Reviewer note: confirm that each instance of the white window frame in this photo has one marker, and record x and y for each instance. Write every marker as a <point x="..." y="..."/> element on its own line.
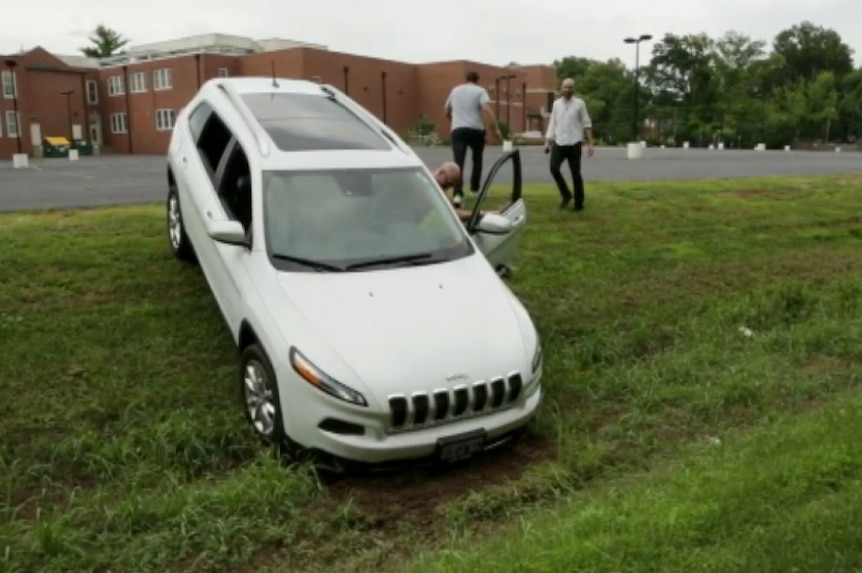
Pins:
<point x="163" y="79"/>
<point x="138" y="82"/>
<point x="10" y="84"/>
<point x="223" y="72"/>
<point x="119" y="123"/>
<point x="165" y="119"/>
<point x="13" y="116"/>
<point x="116" y="85"/>
<point x="92" y="92"/>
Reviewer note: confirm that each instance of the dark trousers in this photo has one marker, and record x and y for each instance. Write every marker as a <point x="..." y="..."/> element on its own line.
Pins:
<point x="572" y="154"/>
<point x="462" y="139"/>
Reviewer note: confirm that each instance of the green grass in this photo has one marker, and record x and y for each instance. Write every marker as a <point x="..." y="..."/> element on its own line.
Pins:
<point x="123" y="447"/>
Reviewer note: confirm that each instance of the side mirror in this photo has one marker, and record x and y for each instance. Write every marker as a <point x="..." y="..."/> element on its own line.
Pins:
<point x="494" y="224"/>
<point x="229" y="232"/>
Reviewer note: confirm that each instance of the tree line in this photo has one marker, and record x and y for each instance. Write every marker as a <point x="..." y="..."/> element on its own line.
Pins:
<point x="731" y="89"/>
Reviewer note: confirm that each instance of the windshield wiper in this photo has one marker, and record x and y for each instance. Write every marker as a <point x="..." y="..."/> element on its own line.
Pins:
<point x="418" y="258"/>
<point x="316" y="265"/>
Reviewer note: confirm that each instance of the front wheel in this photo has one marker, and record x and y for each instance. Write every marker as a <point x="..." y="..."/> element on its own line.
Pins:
<point x="261" y="400"/>
<point x="180" y="244"/>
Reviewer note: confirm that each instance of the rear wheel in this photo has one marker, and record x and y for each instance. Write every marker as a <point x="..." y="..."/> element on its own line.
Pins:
<point x="180" y="244"/>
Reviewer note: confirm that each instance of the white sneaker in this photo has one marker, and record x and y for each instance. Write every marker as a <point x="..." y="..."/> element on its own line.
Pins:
<point x="456" y="200"/>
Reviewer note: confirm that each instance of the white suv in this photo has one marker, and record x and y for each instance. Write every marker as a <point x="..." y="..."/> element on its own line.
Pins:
<point x="372" y="322"/>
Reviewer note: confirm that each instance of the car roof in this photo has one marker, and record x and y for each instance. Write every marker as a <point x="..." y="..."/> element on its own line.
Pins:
<point x="304" y="124"/>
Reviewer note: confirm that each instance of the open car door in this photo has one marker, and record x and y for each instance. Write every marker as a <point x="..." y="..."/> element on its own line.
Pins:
<point x="498" y="232"/>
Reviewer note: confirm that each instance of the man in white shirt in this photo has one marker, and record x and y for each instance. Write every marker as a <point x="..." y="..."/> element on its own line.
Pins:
<point x="568" y="125"/>
<point x="466" y="108"/>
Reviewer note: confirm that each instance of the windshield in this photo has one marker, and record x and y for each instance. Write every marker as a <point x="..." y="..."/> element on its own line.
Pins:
<point x="352" y="219"/>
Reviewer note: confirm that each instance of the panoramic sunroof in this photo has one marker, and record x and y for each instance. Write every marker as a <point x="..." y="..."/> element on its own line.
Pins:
<point x="309" y="122"/>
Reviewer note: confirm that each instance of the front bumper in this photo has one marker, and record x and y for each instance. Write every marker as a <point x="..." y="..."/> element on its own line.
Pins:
<point x="378" y="445"/>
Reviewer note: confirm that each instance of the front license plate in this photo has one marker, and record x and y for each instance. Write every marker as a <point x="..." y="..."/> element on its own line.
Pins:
<point x="461" y="447"/>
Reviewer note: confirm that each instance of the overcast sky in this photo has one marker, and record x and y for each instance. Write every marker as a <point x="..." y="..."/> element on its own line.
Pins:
<point x="496" y="32"/>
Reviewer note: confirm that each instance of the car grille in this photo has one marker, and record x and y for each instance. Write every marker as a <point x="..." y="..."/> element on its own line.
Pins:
<point x="423" y="409"/>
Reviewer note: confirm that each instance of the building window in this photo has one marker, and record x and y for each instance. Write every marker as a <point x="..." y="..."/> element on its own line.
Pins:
<point x="116" y="86"/>
<point x="12" y="121"/>
<point x="165" y="119"/>
<point x="222" y="72"/>
<point x="163" y="79"/>
<point x="10" y="85"/>
<point x="119" y="123"/>
<point x="92" y="92"/>
<point x="138" y="83"/>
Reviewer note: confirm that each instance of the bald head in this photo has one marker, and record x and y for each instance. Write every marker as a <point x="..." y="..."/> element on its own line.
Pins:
<point x="568" y="87"/>
<point x="447" y="174"/>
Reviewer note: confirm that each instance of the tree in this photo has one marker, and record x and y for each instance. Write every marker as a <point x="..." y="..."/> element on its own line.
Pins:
<point x="106" y="42"/>
<point x="682" y="82"/>
<point x="731" y="88"/>
<point x="809" y="50"/>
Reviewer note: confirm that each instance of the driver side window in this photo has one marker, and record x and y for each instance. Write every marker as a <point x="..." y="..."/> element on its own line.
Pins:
<point x="233" y="184"/>
<point x="224" y="161"/>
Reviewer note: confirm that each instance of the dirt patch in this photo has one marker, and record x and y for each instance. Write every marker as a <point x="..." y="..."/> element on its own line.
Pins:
<point x="413" y="495"/>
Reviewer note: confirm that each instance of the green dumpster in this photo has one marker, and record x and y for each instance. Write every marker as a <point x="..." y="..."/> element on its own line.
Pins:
<point x="56" y="146"/>
<point x="83" y="146"/>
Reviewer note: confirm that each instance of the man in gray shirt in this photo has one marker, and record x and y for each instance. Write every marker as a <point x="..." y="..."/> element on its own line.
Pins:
<point x="464" y="109"/>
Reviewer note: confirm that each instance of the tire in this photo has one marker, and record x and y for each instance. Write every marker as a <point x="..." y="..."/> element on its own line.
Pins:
<point x="179" y="241"/>
<point x="260" y="399"/>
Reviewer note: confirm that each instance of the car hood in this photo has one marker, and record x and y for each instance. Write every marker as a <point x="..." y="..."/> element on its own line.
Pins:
<point x="411" y="329"/>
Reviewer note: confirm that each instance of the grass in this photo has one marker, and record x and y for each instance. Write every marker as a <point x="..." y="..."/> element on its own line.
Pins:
<point x="702" y="344"/>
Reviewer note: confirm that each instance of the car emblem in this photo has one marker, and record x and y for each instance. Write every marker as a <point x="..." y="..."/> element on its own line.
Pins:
<point x="457" y="376"/>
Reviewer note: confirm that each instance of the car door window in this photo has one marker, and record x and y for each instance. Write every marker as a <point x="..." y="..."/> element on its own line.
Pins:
<point x="211" y="135"/>
<point x="493" y="199"/>
<point x="234" y="184"/>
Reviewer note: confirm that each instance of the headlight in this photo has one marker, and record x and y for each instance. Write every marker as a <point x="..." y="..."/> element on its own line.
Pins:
<point x="320" y="380"/>
<point x="537" y="355"/>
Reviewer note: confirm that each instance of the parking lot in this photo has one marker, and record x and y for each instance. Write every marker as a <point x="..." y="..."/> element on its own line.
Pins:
<point x="112" y="180"/>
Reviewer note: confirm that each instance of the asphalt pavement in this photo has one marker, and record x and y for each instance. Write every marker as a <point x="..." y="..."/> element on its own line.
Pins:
<point x="123" y="179"/>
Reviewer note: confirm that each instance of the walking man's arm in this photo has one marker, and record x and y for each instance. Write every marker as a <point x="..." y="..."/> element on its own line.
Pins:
<point x="588" y="129"/>
<point x="552" y="122"/>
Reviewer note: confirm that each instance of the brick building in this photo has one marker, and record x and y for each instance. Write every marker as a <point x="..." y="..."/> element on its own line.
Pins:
<point x="127" y="103"/>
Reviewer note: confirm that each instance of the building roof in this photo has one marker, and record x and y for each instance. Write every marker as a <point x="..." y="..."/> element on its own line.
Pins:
<point x="215" y="43"/>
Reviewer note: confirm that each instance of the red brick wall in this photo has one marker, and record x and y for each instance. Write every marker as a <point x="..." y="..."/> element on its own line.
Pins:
<point x="143" y="136"/>
<point x="411" y="91"/>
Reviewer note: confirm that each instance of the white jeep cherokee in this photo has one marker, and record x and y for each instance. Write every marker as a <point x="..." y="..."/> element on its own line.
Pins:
<point x="373" y="324"/>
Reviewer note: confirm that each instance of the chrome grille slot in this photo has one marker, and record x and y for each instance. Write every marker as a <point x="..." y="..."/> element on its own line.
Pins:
<point x="441" y="404"/>
<point x="498" y="392"/>
<point x="462" y="400"/>
<point x="421" y="405"/>
<point x="398" y="407"/>
<point x="516" y="383"/>
<point x="480" y="396"/>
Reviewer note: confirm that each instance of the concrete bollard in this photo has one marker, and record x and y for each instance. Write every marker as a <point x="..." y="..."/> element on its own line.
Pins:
<point x="73" y="155"/>
<point x="20" y="161"/>
<point x="507" y="145"/>
<point x="634" y="151"/>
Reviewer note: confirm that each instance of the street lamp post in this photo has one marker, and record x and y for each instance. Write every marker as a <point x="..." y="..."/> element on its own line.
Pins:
<point x="10" y="63"/>
<point x="637" y="42"/>
<point x="68" y="94"/>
